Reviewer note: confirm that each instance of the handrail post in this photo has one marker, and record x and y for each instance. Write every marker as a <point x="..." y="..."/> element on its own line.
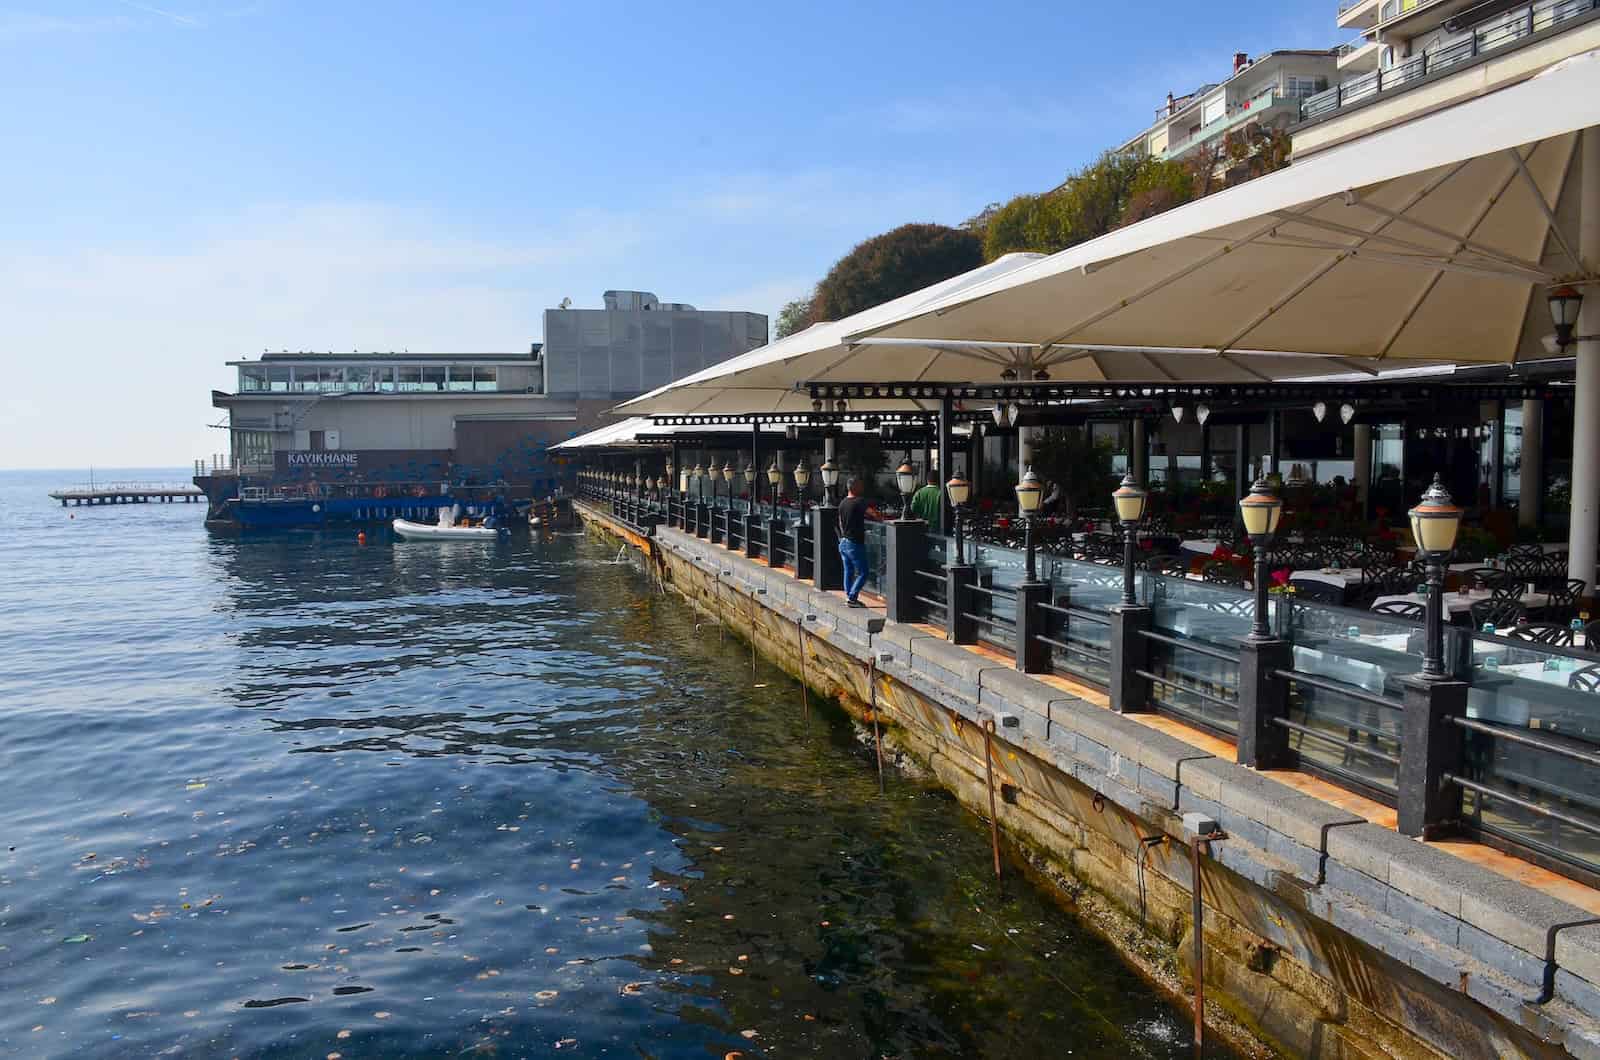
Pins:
<point x="1130" y="653"/>
<point x="827" y="566"/>
<point x="959" y="581"/>
<point x="750" y="531"/>
<point x="1431" y="746"/>
<point x="1263" y="697"/>
<point x="804" y="558"/>
<point x="906" y="541"/>
<point x="1033" y="654"/>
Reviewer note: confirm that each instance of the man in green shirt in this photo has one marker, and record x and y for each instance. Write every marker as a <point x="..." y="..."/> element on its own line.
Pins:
<point x="927" y="503"/>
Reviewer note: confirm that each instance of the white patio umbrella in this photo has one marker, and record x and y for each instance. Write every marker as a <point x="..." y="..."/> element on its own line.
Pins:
<point x="765" y="379"/>
<point x="1431" y="241"/>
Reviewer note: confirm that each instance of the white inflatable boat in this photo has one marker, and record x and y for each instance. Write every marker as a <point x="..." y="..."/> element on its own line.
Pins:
<point x="410" y="531"/>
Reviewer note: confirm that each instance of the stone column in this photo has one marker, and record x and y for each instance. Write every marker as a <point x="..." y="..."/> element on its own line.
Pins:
<point x="1139" y="458"/>
<point x="1363" y="461"/>
<point x="1530" y="478"/>
<point x="1584" y="534"/>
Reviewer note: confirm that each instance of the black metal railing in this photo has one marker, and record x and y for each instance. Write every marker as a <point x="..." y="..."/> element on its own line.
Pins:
<point x="1495" y="33"/>
<point x="1078" y="640"/>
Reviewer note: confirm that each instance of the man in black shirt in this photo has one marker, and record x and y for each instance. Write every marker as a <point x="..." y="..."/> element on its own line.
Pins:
<point x="853" y="542"/>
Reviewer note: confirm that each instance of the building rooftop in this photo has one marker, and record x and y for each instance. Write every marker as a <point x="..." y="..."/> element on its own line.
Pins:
<point x="268" y="356"/>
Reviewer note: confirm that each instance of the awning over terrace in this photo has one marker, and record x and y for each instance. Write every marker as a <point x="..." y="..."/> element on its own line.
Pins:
<point x="1434" y="240"/>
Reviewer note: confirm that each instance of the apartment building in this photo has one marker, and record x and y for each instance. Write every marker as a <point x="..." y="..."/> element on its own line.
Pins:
<point x="1412" y="57"/>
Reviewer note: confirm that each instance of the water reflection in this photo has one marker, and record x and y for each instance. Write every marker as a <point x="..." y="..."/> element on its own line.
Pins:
<point x="420" y="801"/>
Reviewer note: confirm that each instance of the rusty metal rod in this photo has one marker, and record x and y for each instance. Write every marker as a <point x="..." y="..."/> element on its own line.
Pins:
<point x="988" y="773"/>
<point x="805" y="689"/>
<point x="1199" y="949"/>
<point x="872" y="697"/>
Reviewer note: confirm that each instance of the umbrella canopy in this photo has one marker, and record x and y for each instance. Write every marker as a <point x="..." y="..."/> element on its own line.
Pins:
<point x="764" y="379"/>
<point x="626" y="434"/>
<point x="1432" y="241"/>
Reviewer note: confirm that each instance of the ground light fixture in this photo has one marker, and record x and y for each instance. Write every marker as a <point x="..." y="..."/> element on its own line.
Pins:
<point x="958" y="489"/>
<point x="1130" y="502"/>
<point x="1434" y="523"/>
<point x="1260" y="510"/>
<point x="905" y="477"/>
<point x="1029" y="491"/>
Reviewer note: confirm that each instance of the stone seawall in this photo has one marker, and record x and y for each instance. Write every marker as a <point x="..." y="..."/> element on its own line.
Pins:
<point x="1326" y="935"/>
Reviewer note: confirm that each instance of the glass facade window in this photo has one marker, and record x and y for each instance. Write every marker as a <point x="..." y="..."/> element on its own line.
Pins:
<point x="252" y="448"/>
<point x="460" y="377"/>
<point x="1302" y="87"/>
<point x="485" y="377"/>
<point x="410" y="378"/>
<point x="433" y="378"/>
<point x="252" y="378"/>
<point x="1511" y="454"/>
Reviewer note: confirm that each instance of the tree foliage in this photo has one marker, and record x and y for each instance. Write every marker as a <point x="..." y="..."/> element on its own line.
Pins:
<point x="794" y="316"/>
<point x="1119" y="189"/>
<point x="1081" y="466"/>
<point x="898" y="262"/>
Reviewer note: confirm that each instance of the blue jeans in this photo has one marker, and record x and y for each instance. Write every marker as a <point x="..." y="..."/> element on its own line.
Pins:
<point x="855" y="566"/>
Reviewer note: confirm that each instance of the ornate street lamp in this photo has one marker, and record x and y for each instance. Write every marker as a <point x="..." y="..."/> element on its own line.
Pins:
<point x="830" y="479"/>
<point x="1029" y="491"/>
<point x="1565" y="304"/>
<point x="1130" y="503"/>
<point x="698" y="475"/>
<point x="1261" y="509"/>
<point x="905" y="477"/>
<point x="959" y="489"/>
<point x="775" y="478"/>
<point x="728" y="473"/>
<point x="802" y="478"/>
<point x="1434" y="523"/>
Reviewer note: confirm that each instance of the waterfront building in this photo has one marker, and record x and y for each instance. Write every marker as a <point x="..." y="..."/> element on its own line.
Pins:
<point x="1266" y="91"/>
<point x="314" y="436"/>
<point x="1415" y="57"/>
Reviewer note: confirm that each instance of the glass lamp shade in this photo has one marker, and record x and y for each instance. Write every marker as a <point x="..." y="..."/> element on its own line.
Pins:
<point x="1202" y="413"/>
<point x="1260" y="509"/>
<point x="1177" y="413"/>
<point x="1320" y="411"/>
<point x="802" y="475"/>
<point x="698" y="473"/>
<point x="749" y="474"/>
<point x="959" y="490"/>
<point x="775" y="474"/>
<point x="999" y="413"/>
<point x="1347" y="412"/>
<point x="1130" y="500"/>
<point x="728" y="472"/>
<point x="1435" y="520"/>
<point x="905" y="476"/>
<point x="683" y="482"/>
<point x="1014" y="413"/>
<point x="1564" y="305"/>
<point x="1029" y="491"/>
<point x="661" y="483"/>
<point x="830" y="474"/>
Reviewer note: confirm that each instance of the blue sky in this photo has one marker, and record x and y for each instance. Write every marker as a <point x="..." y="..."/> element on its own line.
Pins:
<point x="190" y="182"/>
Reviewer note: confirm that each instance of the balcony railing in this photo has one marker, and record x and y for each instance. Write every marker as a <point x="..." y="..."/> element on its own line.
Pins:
<point x="1485" y="37"/>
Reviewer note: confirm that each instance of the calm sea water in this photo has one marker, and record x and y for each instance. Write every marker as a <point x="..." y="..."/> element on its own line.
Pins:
<point x="291" y="796"/>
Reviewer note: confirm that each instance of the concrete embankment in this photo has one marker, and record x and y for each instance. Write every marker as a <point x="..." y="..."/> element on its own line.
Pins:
<point x="1325" y="934"/>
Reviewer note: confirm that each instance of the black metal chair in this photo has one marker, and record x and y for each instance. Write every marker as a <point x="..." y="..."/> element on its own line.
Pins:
<point x="1222" y="572"/>
<point x="1498" y="613"/>
<point x="1318" y="592"/>
<point x="1175" y="566"/>
<point x="1552" y="633"/>
<point x="1483" y="577"/>
<point x="1586" y="679"/>
<point x="1564" y="598"/>
<point x="1401" y="609"/>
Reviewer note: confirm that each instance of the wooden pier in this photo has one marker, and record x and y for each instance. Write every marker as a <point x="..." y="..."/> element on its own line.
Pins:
<point x="127" y="493"/>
